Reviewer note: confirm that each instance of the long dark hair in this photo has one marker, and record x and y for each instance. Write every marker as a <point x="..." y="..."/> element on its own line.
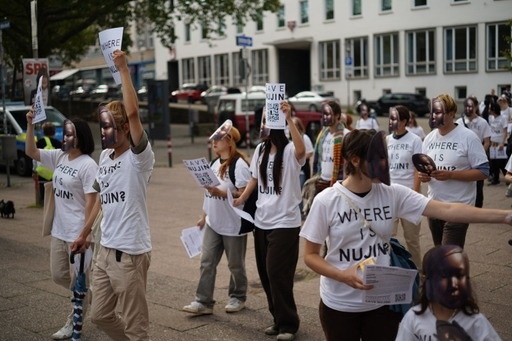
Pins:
<point x="278" y="139"/>
<point x="85" y="141"/>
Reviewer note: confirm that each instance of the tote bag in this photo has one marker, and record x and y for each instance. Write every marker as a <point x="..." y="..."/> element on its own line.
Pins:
<point x="49" y="208"/>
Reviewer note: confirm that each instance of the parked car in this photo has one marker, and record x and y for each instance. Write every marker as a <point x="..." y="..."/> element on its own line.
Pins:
<point x="417" y="103"/>
<point x="211" y="96"/>
<point x="237" y="107"/>
<point x="83" y="90"/>
<point x="17" y="125"/>
<point x="189" y="92"/>
<point x="105" y="91"/>
<point x="311" y="100"/>
<point x="142" y="93"/>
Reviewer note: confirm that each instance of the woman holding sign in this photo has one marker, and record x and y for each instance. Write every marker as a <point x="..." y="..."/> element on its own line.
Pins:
<point x="275" y="169"/>
<point x="355" y="216"/>
<point x="221" y="226"/>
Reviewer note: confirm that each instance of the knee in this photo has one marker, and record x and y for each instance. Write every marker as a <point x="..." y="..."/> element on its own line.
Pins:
<point x="64" y="280"/>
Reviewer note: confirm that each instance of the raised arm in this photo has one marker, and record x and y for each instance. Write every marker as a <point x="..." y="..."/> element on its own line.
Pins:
<point x="30" y="143"/>
<point x="298" y="141"/>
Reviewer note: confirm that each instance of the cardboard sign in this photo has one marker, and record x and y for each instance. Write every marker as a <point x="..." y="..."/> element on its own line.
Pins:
<point x="111" y="40"/>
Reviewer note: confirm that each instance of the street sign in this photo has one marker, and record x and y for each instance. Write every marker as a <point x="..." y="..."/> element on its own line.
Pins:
<point x="4" y="24"/>
<point x="349" y="69"/>
<point x="348" y="61"/>
<point x="243" y="41"/>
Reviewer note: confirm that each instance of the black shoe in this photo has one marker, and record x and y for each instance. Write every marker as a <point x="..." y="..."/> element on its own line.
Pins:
<point x="272" y="330"/>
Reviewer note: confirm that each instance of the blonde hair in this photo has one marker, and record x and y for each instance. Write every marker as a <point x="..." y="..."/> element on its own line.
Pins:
<point x="448" y="103"/>
<point x="118" y="113"/>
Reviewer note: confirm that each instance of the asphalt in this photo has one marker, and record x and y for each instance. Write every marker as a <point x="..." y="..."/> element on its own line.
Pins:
<point x="32" y="307"/>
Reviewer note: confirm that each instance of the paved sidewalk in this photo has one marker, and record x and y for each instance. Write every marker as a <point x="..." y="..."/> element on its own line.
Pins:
<point x="32" y="307"/>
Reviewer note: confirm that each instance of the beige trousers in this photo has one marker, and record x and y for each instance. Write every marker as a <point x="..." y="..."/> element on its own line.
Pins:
<point x="412" y="239"/>
<point x="121" y="286"/>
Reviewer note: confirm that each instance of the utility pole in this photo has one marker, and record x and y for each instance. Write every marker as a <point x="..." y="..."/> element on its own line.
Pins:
<point x="33" y="17"/>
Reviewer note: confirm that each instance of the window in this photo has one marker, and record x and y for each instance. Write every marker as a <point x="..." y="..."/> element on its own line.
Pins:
<point x="420" y="52"/>
<point x="460" y="1"/>
<point x="357" y="49"/>
<point x="221" y="29"/>
<point x="386" y="5"/>
<point x="356" y="7"/>
<point x="419" y="3"/>
<point x="204" y="31"/>
<point x="187" y="33"/>
<point x="386" y="55"/>
<point x="187" y="66"/>
<point x="460" y="49"/>
<point x="329" y="9"/>
<point x="304" y="11"/>
<point x="280" y="17"/>
<point x="461" y="92"/>
<point x="497" y="45"/>
<point x="259" y="23"/>
<point x="330" y="68"/>
<point x="236" y="58"/>
<point x="421" y="91"/>
<point x="259" y="66"/>
<point x="222" y="69"/>
<point x="204" y="70"/>
<point x="239" y="28"/>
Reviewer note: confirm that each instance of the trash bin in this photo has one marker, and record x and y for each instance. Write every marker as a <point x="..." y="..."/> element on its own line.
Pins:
<point x="8" y="150"/>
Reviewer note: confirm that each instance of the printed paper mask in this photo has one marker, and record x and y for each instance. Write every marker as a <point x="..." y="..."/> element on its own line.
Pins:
<point x="264" y="130"/>
<point x="69" y="139"/>
<point x="222" y="131"/>
<point x="377" y="159"/>
<point x="108" y="128"/>
<point x="327" y="115"/>
<point x="423" y="163"/>
<point x="437" y="112"/>
<point x="394" y="118"/>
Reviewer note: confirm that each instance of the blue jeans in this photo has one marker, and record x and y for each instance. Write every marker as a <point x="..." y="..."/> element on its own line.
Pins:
<point x="214" y="245"/>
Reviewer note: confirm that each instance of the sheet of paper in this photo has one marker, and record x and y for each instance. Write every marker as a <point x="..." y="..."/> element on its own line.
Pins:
<point x="111" y="40"/>
<point x="495" y="153"/>
<point x="275" y="93"/>
<point x="39" y="113"/>
<point x="192" y="239"/>
<point x="201" y="171"/>
<point x="238" y="211"/>
<point x="392" y="285"/>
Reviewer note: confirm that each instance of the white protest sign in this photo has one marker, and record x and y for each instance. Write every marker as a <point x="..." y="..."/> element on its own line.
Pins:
<point x="39" y="113"/>
<point x="275" y="94"/>
<point x="201" y="171"/>
<point x="111" y="40"/>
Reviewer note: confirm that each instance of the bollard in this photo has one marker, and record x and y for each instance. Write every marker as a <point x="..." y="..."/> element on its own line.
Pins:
<point x="169" y="150"/>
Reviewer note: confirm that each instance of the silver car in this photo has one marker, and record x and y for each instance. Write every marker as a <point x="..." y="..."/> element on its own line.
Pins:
<point x="311" y="100"/>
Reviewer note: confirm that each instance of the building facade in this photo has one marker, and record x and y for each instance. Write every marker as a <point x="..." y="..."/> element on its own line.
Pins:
<point x="354" y="48"/>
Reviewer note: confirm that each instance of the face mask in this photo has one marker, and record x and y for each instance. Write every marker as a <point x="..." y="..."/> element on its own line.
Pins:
<point x="108" y="128"/>
<point x="437" y="112"/>
<point x="69" y="140"/>
<point x="327" y="115"/>
<point x="264" y="130"/>
<point x="377" y="159"/>
<point x="222" y="131"/>
<point x="394" y="118"/>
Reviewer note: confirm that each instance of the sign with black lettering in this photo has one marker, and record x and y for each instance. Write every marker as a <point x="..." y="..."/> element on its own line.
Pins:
<point x="111" y="40"/>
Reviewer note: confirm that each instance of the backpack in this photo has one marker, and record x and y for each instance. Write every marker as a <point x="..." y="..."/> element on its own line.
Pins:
<point x="250" y="204"/>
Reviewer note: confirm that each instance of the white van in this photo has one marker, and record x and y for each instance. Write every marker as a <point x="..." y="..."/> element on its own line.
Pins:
<point x="237" y="107"/>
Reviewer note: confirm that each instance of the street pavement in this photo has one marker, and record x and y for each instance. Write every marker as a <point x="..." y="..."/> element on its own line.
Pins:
<point x="32" y="307"/>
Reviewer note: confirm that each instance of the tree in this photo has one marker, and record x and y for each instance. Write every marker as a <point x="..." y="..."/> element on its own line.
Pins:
<point x="507" y="53"/>
<point x="68" y="28"/>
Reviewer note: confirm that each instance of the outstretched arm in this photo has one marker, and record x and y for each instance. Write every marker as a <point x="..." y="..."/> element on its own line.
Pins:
<point x="30" y="144"/>
<point x="462" y="213"/>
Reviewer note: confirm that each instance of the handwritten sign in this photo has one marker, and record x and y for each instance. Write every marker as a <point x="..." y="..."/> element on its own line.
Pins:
<point x="111" y="40"/>
<point x="275" y="94"/>
<point x="201" y="171"/>
<point x="39" y="113"/>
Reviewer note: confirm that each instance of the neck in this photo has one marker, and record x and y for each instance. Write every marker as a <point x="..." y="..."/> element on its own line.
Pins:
<point x="441" y="312"/>
<point x="121" y="149"/>
<point x="333" y="128"/>
<point x="74" y="153"/>
<point x="357" y="183"/>
<point x="446" y="127"/>
<point x="224" y="155"/>
<point x="400" y="131"/>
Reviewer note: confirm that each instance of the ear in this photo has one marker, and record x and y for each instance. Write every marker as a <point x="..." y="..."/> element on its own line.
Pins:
<point x="355" y="161"/>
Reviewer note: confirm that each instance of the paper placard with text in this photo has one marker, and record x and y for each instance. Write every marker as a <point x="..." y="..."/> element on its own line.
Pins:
<point x="39" y="113"/>
<point x="275" y="93"/>
<point x="201" y="171"/>
<point x="111" y="40"/>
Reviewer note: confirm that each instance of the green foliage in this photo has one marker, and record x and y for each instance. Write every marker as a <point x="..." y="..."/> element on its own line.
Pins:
<point x="69" y="27"/>
<point x="507" y="53"/>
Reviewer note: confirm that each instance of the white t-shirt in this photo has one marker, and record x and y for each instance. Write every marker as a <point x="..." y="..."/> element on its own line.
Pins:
<point x="460" y="149"/>
<point x="332" y="219"/>
<point x="369" y="123"/>
<point x="71" y="181"/>
<point x="418" y="131"/>
<point x="423" y="327"/>
<point x="219" y="213"/>
<point x="478" y="125"/>
<point x="327" y="161"/>
<point x="508" y="167"/>
<point x="400" y="152"/>
<point x="273" y="210"/>
<point x="123" y="190"/>
<point x="498" y="124"/>
<point x="308" y="144"/>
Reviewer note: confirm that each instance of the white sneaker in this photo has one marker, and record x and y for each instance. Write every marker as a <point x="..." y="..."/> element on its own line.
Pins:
<point x="198" y="309"/>
<point x="234" y="305"/>
<point x="64" y="332"/>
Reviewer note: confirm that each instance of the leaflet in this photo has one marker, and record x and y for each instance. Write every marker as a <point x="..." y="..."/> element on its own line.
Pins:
<point x="392" y="285"/>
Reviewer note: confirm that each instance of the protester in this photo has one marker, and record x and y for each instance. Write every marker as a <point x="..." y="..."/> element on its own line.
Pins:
<point x="499" y="126"/>
<point x="119" y="305"/>
<point x="327" y="163"/>
<point x="222" y="227"/>
<point x="355" y="217"/>
<point x="275" y="169"/>
<point x="448" y="309"/>
<point x="471" y="119"/>
<point x="365" y="121"/>
<point x="413" y="126"/>
<point x="460" y="159"/>
<point x="73" y="175"/>
<point x="48" y="141"/>
<point x="402" y="145"/>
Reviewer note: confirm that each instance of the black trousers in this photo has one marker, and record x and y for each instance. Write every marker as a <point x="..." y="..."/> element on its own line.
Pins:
<point x="277" y="253"/>
<point x="444" y="232"/>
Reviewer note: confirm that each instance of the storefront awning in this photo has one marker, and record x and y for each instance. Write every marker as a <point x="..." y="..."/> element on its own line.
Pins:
<point x="63" y="74"/>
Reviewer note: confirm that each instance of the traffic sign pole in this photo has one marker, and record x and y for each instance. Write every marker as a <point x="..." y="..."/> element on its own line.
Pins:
<point x="245" y="42"/>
